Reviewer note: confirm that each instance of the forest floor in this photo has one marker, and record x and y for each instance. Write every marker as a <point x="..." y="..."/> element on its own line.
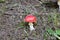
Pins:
<point x="13" y="12"/>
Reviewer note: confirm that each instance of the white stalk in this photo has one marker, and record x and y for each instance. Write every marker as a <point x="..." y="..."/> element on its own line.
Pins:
<point x="59" y="5"/>
<point x="59" y="8"/>
<point x="31" y="26"/>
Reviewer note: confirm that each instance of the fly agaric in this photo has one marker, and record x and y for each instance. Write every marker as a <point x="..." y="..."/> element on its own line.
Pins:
<point x="30" y="19"/>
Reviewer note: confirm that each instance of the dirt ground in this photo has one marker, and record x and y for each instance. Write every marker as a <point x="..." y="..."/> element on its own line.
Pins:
<point x="12" y="13"/>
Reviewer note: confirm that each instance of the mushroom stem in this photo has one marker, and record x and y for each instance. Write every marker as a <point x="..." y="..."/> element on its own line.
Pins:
<point x="31" y="26"/>
<point x="59" y="8"/>
<point x="59" y="4"/>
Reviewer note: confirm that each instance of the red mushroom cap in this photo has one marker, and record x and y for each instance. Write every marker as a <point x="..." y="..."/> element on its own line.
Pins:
<point x="30" y="18"/>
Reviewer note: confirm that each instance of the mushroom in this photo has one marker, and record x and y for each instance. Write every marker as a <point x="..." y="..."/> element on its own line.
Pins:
<point x="30" y="19"/>
<point x="58" y="4"/>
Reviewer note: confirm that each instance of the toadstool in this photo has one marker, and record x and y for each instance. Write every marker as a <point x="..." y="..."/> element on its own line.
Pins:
<point x="58" y="4"/>
<point x="30" y="19"/>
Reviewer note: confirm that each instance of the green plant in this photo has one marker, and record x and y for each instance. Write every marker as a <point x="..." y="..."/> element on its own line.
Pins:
<point x="55" y="33"/>
<point x="2" y="1"/>
<point x="22" y="24"/>
<point x="49" y="18"/>
<point x="54" y="18"/>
